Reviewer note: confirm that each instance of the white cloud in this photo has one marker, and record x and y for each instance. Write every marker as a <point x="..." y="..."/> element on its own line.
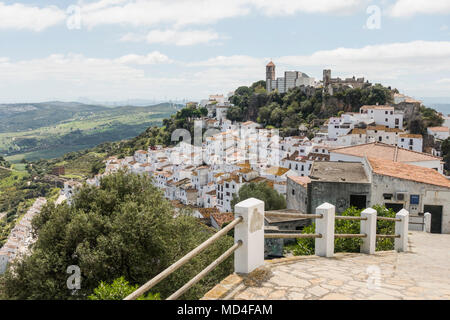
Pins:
<point x="176" y="37"/>
<point x="444" y="80"/>
<point x="151" y="13"/>
<point x="229" y="61"/>
<point x="413" y="65"/>
<point x="409" y="8"/>
<point x="68" y="76"/>
<point x="20" y="16"/>
<point x="154" y="57"/>
<point x="290" y="7"/>
<point x="200" y="12"/>
<point x="420" y="68"/>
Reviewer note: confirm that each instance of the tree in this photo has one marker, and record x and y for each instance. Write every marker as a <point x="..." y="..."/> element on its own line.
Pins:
<point x="124" y="228"/>
<point x="262" y="191"/>
<point x="445" y="149"/>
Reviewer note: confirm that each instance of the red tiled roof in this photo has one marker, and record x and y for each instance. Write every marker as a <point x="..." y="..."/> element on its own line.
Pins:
<point x="303" y="181"/>
<point x="408" y="172"/>
<point x="222" y="218"/>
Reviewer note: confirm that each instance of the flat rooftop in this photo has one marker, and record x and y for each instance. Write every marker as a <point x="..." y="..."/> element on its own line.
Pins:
<point x="327" y="171"/>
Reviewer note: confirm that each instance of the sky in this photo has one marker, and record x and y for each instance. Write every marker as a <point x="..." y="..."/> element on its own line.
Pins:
<point x="111" y="50"/>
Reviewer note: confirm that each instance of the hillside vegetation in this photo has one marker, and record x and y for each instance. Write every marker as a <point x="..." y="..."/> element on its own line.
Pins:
<point x="125" y="228"/>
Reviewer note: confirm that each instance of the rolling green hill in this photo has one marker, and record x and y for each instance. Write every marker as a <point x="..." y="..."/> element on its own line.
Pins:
<point x="48" y="130"/>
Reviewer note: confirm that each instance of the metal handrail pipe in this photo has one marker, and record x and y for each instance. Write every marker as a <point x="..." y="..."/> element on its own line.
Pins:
<point x="350" y="218"/>
<point x="205" y="271"/>
<point x="291" y="235"/>
<point x="164" y="274"/>
<point x="350" y="235"/>
<point x="388" y="219"/>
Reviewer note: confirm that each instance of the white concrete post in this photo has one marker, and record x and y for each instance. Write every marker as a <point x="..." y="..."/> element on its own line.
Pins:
<point x="324" y="246"/>
<point x="250" y="255"/>
<point x="401" y="228"/>
<point x="427" y="222"/>
<point x="369" y="227"/>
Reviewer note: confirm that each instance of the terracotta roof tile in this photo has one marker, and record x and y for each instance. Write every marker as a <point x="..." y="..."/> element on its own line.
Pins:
<point x="408" y="172"/>
<point x="222" y="218"/>
<point x="386" y="152"/>
<point x="303" y="181"/>
<point x="439" y="129"/>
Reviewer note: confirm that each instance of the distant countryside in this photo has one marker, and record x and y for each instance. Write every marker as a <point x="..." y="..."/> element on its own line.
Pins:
<point x="48" y="130"/>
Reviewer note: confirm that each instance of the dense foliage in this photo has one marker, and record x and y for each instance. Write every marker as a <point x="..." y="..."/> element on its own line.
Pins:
<point x="123" y="228"/>
<point x="299" y="105"/>
<point x="428" y="117"/>
<point x="118" y="290"/>
<point x="305" y="246"/>
<point x="4" y="163"/>
<point x="272" y="199"/>
<point x="445" y="149"/>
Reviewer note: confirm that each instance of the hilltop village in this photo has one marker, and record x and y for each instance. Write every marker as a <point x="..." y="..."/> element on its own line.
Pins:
<point x="357" y="159"/>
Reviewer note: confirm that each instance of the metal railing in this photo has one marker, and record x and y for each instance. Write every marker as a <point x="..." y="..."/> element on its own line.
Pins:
<point x="164" y="274"/>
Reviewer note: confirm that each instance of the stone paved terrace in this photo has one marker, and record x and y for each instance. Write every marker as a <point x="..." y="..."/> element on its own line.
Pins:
<point x="421" y="273"/>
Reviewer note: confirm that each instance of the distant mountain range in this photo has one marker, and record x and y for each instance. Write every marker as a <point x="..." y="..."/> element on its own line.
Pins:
<point x="49" y="129"/>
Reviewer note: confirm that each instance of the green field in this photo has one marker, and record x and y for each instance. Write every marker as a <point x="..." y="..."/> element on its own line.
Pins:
<point x="76" y="131"/>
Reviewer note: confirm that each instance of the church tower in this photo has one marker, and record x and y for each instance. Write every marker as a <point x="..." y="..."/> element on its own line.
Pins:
<point x="270" y="75"/>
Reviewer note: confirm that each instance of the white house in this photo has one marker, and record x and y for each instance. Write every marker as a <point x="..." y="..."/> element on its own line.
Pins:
<point x="141" y="156"/>
<point x="384" y="115"/>
<point x="70" y="188"/>
<point x="441" y="133"/>
<point x="410" y="141"/>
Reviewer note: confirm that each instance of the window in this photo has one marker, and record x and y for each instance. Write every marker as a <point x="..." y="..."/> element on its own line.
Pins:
<point x="392" y="112"/>
<point x="293" y="191"/>
<point x="397" y="121"/>
<point x="227" y="185"/>
<point x="414" y="199"/>
<point x="386" y="119"/>
<point x="380" y="139"/>
<point x="385" y="112"/>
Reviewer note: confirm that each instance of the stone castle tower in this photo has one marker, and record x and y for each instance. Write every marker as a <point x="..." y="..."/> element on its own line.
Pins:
<point x="327" y="87"/>
<point x="270" y="75"/>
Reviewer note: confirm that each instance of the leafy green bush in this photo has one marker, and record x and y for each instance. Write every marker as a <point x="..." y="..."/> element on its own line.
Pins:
<point x="118" y="290"/>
